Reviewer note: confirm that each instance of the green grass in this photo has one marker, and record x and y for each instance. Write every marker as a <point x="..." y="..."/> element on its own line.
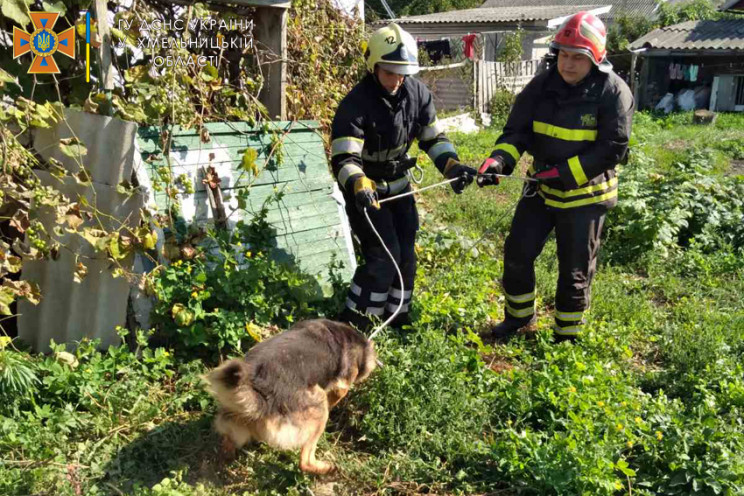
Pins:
<point x="649" y="402"/>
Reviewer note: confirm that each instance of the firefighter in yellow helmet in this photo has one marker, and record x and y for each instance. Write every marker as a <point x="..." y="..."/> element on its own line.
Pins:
<point x="374" y="126"/>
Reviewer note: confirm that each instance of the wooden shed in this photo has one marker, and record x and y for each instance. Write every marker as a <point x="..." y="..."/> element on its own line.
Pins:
<point x="705" y="57"/>
<point x="311" y="228"/>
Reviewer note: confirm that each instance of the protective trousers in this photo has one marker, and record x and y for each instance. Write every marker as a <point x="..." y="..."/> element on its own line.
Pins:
<point x="577" y="232"/>
<point x="375" y="288"/>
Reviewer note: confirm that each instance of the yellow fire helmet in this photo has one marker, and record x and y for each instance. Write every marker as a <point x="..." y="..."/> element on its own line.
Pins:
<point x="393" y="49"/>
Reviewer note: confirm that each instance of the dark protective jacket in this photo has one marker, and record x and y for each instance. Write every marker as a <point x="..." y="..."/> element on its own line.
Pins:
<point x="372" y="131"/>
<point x="583" y="130"/>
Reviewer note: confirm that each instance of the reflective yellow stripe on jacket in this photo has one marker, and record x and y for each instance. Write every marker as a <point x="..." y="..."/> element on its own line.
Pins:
<point x="510" y="149"/>
<point x="564" y="133"/>
<point x="596" y="193"/>
<point x="347" y="144"/>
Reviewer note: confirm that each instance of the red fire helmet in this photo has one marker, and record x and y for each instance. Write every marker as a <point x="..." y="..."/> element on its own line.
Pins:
<point x="584" y="33"/>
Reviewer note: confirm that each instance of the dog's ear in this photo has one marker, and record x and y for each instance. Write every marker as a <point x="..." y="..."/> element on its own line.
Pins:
<point x="232" y="373"/>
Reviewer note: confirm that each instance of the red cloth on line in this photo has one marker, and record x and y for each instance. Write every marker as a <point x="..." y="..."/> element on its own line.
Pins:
<point x="469" y="39"/>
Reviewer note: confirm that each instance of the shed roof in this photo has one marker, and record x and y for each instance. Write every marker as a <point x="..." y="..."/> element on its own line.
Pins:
<point x="695" y="35"/>
<point x="498" y="14"/>
<point x="644" y="7"/>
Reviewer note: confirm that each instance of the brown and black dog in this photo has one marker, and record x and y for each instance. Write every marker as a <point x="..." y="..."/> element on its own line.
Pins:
<point x="283" y="389"/>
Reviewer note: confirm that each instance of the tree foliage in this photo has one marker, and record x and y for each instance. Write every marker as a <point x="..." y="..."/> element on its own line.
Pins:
<point x="325" y="61"/>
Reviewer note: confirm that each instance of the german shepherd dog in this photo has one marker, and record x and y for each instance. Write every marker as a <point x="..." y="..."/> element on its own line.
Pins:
<point x="282" y="390"/>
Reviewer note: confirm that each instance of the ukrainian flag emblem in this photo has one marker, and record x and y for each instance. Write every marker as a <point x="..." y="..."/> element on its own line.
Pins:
<point x="44" y="43"/>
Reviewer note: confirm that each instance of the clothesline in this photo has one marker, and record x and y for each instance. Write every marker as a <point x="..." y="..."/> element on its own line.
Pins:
<point x="440" y="48"/>
<point x="683" y="72"/>
<point x="442" y="67"/>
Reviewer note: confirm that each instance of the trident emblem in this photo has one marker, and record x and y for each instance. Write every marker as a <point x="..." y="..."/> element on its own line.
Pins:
<point x="44" y="43"/>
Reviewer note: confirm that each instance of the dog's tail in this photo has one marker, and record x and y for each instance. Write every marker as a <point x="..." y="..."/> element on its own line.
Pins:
<point x="230" y="385"/>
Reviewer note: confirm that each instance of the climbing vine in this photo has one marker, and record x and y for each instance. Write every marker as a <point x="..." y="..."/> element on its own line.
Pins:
<point x="324" y="61"/>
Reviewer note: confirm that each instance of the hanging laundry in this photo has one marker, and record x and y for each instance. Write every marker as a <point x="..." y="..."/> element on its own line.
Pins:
<point x="672" y="71"/>
<point x="437" y="49"/>
<point x="469" y="40"/>
<point x="678" y="70"/>
<point x="694" y="72"/>
<point x="685" y="72"/>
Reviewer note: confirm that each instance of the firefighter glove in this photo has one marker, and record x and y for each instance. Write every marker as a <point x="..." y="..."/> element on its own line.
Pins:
<point x="486" y="173"/>
<point x="549" y="177"/>
<point x="455" y="169"/>
<point x="364" y="194"/>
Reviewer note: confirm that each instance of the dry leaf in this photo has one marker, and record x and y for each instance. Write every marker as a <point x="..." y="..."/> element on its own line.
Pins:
<point x="80" y="272"/>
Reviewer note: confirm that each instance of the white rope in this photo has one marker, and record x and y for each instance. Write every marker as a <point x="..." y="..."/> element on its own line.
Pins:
<point x="416" y="191"/>
<point x="400" y="278"/>
<point x="392" y="258"/>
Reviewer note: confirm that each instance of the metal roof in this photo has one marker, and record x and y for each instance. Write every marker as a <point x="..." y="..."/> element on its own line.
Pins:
<point x="695" y="35"/>
<point x="499" y="14"/>
<point x="646" y="8"/>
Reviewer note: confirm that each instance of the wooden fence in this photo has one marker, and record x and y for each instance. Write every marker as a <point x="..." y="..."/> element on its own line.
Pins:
<point x="493" y="76"/>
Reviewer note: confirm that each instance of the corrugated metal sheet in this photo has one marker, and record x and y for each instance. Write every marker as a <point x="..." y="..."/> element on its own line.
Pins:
<point x="109" y="143"/>
<point x="695" y="35"/>
<point x="311" y="226"/>
<point x="498" y="14"/>
<point x="451" y="92"/>
<point x="646" y="8"/>
<point x="68" y="310"/>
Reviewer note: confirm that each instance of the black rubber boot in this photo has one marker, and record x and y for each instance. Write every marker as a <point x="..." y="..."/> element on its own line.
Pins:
<point x="355" y="319"/>
<point x="559" y="338"/>
<point x="509" y="327"/>
<point x="400" y="320"/>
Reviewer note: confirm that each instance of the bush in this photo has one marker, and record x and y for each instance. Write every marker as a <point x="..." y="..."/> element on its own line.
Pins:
<point x="218" y="301"/>
<point x="501" y="104"/>
<point x="18" y="379"/>
<point x="667" y="211"/>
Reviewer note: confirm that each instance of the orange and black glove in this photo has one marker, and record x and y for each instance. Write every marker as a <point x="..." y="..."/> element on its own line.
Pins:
<point x="364" y="194"/>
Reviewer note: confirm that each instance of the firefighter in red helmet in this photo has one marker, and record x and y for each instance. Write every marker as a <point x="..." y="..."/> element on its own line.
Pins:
<point x="575" y="121"/>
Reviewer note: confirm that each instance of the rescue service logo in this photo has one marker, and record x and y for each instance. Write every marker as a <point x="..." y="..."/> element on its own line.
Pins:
<point x="589" y="120"/>
<point x="44" y="43"/>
